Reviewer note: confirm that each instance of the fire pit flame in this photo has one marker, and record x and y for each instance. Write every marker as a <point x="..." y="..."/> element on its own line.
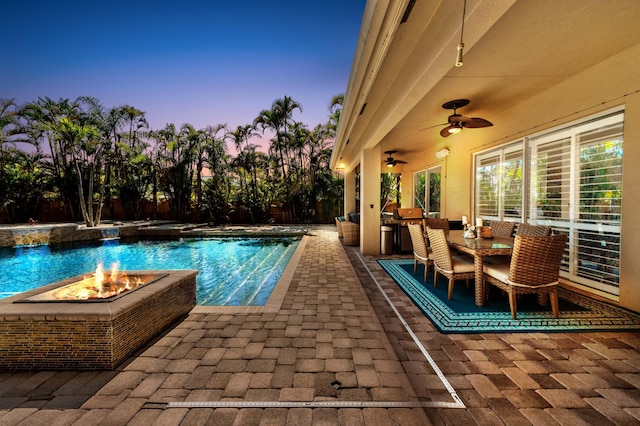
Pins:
<point x="101" y="285"/>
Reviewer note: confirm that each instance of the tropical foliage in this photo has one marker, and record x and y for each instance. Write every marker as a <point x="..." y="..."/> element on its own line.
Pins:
<point x="87" y="156"/>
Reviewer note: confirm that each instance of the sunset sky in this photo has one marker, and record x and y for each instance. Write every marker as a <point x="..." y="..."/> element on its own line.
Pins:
<point x="188" y="61"/>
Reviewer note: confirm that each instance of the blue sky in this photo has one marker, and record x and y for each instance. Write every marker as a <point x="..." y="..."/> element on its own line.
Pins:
<point x="183" y="61"/>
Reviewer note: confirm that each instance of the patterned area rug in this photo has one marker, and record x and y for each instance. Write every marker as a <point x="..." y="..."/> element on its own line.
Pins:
<point x="461" y="315"/>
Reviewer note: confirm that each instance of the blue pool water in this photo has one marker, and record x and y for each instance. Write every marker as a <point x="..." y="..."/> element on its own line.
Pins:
<point x="233" y="271"/>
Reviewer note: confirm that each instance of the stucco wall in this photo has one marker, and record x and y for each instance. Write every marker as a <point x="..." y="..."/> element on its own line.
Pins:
<point x="613" y="83"/>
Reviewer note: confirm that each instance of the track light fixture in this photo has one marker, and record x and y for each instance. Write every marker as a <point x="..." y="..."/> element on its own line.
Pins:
<point x="459" y="56"/>
<point x="461" y="45"/>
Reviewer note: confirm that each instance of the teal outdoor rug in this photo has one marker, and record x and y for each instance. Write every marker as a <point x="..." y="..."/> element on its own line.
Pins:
<point x="461" y="315"/>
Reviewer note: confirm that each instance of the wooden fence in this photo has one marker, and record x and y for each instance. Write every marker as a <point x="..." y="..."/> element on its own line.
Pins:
<point x="54" y="211"/>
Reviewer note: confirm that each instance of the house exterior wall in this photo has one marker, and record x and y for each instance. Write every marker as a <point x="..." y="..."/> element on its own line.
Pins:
<point x="612" y="83"/>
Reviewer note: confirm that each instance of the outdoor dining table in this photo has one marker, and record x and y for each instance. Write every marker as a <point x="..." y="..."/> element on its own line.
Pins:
<point x="479" y="247"/>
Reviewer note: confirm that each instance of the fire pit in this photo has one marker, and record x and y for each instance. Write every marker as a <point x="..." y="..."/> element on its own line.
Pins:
<point x="98" y="287"/>
<point x="61" y="327"/>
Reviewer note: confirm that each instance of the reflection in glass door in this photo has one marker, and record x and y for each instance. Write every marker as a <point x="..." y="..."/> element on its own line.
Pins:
<point x="427" y="191"/>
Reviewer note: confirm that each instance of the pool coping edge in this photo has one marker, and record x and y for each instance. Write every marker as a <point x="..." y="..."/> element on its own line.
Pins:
<point x="274" y="303"/>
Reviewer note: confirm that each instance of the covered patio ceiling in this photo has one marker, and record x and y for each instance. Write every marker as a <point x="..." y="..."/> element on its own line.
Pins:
<point x="404" y="71"/>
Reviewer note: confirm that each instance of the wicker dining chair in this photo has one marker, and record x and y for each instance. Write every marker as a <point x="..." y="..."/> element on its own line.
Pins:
<point x="453" y="267"/>
<point x="534" y="268"/>
<point x="502" y="229"/>
<point x="433" y="223"/>
<point x="533" y="230"/>
<point x="420" y="250"/>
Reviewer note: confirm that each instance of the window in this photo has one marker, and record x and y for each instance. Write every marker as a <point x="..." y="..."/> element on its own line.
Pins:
<point x="498" y="184"/>
<point x="428" y="196"/>
<point x="434" y="192"/>
<point x="389" y="191"/>
<point x="571" y="179"/>
<point x="577" y="176"/>
<point x="419" y="190"/>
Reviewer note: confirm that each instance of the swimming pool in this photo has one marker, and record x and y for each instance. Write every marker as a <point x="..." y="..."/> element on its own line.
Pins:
<point x="233" y="271"/>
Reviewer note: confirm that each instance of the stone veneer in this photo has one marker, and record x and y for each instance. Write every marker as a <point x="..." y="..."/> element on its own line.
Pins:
<point x="93" y="335"/>
<point x="69" y="232"/>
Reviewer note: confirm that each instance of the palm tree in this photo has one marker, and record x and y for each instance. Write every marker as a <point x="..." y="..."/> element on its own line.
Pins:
<point x="23" y="183"/>
<point x="176" y="158"/>
<point x="215" y="147"/>
<point x="278" y="119"/>
<point x="90" y="147"/>
<point x="269" y="119"/>
<point x="38" y="117"/>
<point x="201" y="147"/>
<point x="134" y="122"/>
<point x="335" y="108"/>
<point x="96" y="118"/>
<point x="128" y="165"/>
<point x="75" y="134"/>
<point x="217" y="189"/>
<point x="246" y="165"/>
<point x="319" y="157"/>
<point x="8" y="119"/>
<point x="85" y="146"/>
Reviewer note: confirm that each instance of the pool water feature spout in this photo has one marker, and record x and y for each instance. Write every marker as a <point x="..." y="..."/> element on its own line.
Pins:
<point x="31" y="236"/>
<point x="109" y="234"/>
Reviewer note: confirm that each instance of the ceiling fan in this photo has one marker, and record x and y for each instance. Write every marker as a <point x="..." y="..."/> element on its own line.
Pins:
<point x="457" y="122"/>
<point x="392" y="161"/>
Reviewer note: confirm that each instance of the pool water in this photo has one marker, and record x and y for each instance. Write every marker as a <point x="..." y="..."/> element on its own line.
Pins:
<point x="232" y="271"/>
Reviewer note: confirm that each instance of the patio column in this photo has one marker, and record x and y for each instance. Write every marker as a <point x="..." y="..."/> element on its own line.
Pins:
<point x="349" y="191"/>
<point x="370" y="201"/>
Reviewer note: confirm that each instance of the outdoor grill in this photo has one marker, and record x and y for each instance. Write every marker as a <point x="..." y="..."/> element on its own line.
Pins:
<point x="406" y="216"/>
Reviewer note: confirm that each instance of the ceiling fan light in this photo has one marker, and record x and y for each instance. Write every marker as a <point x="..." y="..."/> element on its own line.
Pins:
<point x="454" y="129"/>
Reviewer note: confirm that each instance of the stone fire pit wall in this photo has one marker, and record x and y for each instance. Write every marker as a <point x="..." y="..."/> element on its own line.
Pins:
<point x="92" y="335"/>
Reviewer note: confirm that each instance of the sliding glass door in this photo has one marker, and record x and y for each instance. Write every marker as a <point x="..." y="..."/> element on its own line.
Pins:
<point x="427" y="190"/>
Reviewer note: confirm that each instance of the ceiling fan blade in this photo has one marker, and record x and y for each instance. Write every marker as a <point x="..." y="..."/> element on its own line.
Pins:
<point x="445" y="132"/>
<point x="399" y="162"/>
<point x="457" y="122"/>
<point x="454" y="119"/>
<point x="474" y="122"/>
<point x="435" y="125"/>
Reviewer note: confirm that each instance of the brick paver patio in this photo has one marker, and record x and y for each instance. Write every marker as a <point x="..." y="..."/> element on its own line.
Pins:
<point x="335" y="352"/>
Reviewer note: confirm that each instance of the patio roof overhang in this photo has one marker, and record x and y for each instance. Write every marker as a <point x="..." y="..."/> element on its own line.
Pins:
<point x="404" y="71"/>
